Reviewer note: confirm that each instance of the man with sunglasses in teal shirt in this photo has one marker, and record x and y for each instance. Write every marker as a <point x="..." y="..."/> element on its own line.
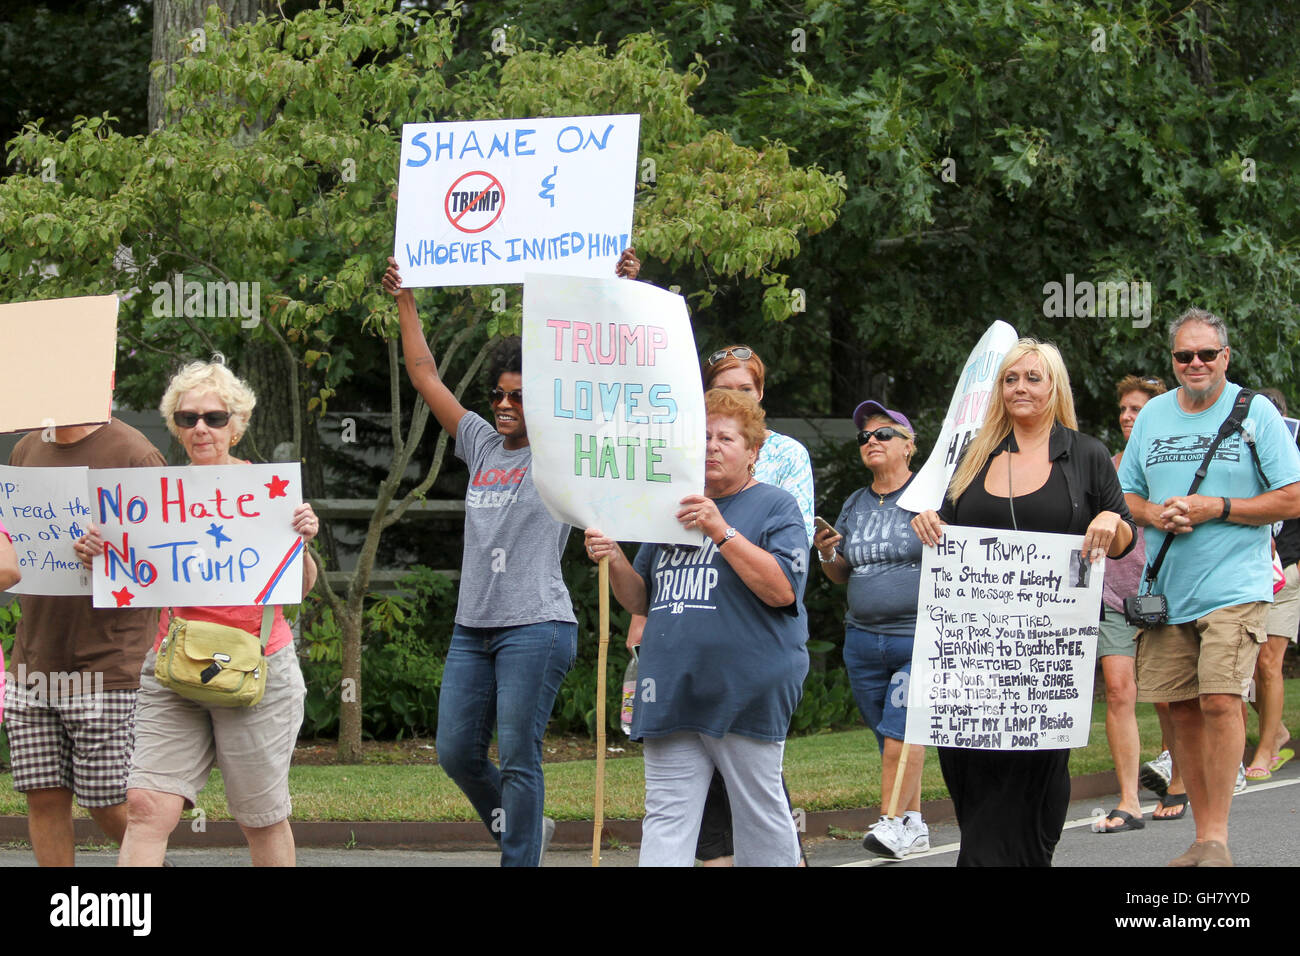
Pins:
<point x="1217" y="573"/>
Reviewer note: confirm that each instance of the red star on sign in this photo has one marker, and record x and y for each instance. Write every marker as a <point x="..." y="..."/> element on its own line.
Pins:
<point x="123" y="597"/>
<point x="276" y="487"/>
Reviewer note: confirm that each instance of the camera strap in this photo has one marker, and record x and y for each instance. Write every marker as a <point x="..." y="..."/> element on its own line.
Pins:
<point x="1233" y="423"/>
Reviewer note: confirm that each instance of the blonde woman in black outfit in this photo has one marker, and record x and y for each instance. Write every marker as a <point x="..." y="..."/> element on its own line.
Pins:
<point x="1011" y="805"/>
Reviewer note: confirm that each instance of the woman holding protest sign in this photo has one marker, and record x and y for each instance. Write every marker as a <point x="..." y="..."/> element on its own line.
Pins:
<point x="515" y="635"/>
<point x="874" y="550"/>
<point x="723" y="659"/>
<point x="1029" y="469"/>
<point x="178" y="739"/>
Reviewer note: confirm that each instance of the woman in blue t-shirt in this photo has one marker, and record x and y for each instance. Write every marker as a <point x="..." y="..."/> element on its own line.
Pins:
<point x="723" y="657"/>
<point x="874" y="550"/>
<point x="515" y="636"/>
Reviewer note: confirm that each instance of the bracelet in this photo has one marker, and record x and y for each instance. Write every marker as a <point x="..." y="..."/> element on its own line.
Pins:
<point x="1227" y="509"/>
<point x="823" y="559"/>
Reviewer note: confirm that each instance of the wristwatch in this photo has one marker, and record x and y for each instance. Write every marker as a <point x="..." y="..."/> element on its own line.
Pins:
<point x="727" y="536"/>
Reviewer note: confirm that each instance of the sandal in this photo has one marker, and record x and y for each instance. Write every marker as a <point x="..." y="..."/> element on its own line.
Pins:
<point x="1128" y="822"/>
<point x="1283" y="755"/>
<point x="1258" y="774"/>
<point x="1172" y="800"/>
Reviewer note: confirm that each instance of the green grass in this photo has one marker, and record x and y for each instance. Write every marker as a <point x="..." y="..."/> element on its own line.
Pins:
<point x="825" y="772"/>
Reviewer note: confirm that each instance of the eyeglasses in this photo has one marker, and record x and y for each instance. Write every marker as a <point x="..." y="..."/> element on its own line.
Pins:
<point x="740" y="352"/>
<point x="515" y="395"/>
<point x="211" y="419"/>
<point x="882" y="434"/>
<point x="1184" y="356"/>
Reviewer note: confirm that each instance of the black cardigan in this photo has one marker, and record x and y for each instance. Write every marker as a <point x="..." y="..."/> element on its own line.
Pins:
<point x="1089" y="475"/>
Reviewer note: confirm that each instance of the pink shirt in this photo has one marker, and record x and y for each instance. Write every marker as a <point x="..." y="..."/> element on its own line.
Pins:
<point x="245" y="618"/>
<point x="1123" y="575"/>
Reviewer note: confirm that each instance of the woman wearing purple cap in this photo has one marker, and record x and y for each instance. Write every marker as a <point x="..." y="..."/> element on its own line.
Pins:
<point x="875" y="551"/>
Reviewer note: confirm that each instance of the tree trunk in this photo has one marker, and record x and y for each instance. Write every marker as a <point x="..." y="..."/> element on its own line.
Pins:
<point x="173" y="38"/>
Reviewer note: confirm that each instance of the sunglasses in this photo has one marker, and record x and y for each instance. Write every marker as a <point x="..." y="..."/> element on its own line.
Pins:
<point x="211" y="419"/>
<point x="1184" y="356"/>
<point x="883" y="434"/>
<point x="515" y="395"/>
<point x="740" y="352"/>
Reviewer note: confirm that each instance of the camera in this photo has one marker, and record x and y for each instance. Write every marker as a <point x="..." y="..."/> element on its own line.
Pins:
<point x="1146" y="610"/>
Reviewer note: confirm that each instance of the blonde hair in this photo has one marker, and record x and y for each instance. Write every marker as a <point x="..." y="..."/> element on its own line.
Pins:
<point x="749" y="415"/>
<point x="898" y="427"/>
<point x="211" y="377"/>
<point x="997" y="422"/>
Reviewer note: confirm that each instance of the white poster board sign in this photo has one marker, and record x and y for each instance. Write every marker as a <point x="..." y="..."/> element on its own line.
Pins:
<point x="965" y="415"/>
<point x="45" y="510"/>
<point x="485" y="201"/>
<point x="211" y="535"/>
<point x="1006" y="639"/>
<point x="57" y="361"/>
<point x="614" y="405"/>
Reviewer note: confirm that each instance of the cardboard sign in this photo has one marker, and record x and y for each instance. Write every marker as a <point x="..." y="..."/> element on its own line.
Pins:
<point x="212" y="535"/>
<point x="614" y="405"/>
<point x="57" y="362"/>
<point x="1006" y="638"/>
<point x="486" y="201"/>
<point x="975" y="388"/>
<point x="45" y="511"/>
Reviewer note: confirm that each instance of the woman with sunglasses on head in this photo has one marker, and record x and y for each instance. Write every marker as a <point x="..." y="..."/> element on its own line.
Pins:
<point x="177" y="740"/>
<point x="516" y="635"/>
<point x="874" y="550"/>
<point x="1029" y="469"/>
<point x="783" y="462"/>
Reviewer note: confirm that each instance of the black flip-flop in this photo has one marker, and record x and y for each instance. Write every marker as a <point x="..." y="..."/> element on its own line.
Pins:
<point x="1172" y="800"/>
<point x="1130" y="822"/>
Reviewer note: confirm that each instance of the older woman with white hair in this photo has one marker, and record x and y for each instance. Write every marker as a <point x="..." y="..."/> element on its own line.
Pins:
<point x="1028" y="469"/>
<point x="178" y="740"/>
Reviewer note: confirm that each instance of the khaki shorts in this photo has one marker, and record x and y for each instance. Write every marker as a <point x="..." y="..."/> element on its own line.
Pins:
<point x="1214" y="654"/>
<point x="1284" y="614"/>
<point x="178" y="740"/>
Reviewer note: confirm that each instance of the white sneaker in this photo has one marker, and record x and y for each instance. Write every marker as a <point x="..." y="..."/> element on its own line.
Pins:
<point x="1241" y="779"/>
<point x="893" y="837"/>
<point x="919" y="832"/>
<point x="1156" y="774"/>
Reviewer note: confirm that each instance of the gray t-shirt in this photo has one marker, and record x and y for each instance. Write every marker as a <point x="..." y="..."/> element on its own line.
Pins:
<point x="510" y="571"/>
<point x="885" y="556"/>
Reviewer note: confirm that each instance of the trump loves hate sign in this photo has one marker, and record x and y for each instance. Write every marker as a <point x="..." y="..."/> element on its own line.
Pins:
<point x="219" y="535"/>
<point x="614" y="405"/>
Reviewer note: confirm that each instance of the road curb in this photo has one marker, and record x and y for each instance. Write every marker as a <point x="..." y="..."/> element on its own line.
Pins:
<point x="466" y="835"/>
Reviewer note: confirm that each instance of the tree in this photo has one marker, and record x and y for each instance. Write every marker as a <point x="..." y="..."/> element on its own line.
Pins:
<point x="300" y="207"/>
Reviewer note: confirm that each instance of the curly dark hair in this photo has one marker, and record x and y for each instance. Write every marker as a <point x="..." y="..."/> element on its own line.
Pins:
<point x="507" y="356"/>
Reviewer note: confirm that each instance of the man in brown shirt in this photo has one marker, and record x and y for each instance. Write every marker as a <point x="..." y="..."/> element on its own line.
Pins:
<point x="71" y="724"/>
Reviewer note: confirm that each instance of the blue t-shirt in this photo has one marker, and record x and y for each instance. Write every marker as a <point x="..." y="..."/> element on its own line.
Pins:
<point x="1219" y="564"/>
<point x="884" y="555"/>
<point x="719" y="660"/>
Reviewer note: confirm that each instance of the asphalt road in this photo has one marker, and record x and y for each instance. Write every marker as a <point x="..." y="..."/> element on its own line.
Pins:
<point x="1264" y="827"/>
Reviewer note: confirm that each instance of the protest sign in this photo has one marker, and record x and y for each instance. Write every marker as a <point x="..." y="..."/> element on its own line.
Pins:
<point x="217" y="535"/>
<point x="614" y="405"/>
<point x="1006" y="638"/>
<point x="965" y="414"/>
<point x="485" y="201"/>
<point x="43" y="342"/>
<point x="45" y="510"/>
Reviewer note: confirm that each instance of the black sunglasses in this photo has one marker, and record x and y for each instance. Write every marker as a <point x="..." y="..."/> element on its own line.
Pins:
<point x="1184" y="356"/>
<point x="211" y="419"/>
<point x="516" y="395"/>
<point x="739" y="352"/>
<point x="882" y="434"/>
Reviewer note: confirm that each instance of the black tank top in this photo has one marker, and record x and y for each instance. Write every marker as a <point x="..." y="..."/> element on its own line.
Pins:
<point x="1047" y="509"/>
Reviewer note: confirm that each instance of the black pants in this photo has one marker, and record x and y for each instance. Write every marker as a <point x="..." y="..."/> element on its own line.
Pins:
<point x="715" y="826"/>
<point x="1011" y="804"/>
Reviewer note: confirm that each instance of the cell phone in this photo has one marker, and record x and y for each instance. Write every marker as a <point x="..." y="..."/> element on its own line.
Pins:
<point x="821" y="524"/>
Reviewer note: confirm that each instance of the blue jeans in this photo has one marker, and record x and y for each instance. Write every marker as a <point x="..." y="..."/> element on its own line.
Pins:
<point x="880" y="669"/>
<point x="505" y="678"/>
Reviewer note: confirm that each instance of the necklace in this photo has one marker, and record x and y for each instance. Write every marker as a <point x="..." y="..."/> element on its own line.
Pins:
<point x="882" y="495"/>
